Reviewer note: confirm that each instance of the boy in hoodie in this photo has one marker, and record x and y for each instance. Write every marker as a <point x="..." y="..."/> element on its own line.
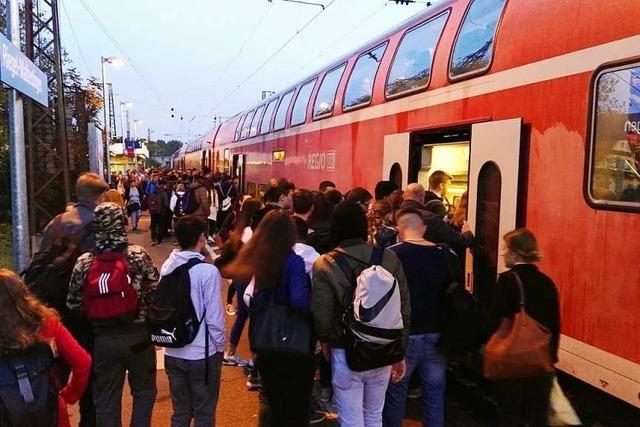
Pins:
<point x="194" y="397"/>
<point x="119" y="347"/>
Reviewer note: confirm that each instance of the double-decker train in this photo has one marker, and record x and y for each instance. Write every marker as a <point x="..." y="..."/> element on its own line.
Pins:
<point x="531" y="106"/>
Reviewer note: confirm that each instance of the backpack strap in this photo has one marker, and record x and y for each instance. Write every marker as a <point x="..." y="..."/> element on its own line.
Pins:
<point x="376" y="256"/>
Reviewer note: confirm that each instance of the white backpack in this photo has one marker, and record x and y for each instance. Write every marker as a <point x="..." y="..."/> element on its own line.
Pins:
<point x="372" y="322"/>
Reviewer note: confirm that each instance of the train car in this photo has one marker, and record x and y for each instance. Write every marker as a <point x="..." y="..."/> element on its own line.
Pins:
<point x="198" y="153"/>
<point x="531" y="106"/>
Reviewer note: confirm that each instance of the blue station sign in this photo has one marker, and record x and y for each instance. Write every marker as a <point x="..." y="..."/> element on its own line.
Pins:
<point x="17" y="71"/>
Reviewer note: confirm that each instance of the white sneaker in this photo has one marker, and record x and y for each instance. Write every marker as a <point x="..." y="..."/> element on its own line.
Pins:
<point x="233" y="360"/>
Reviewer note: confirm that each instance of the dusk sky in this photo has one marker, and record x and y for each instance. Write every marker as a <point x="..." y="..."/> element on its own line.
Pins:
<point x="191" y="55"/>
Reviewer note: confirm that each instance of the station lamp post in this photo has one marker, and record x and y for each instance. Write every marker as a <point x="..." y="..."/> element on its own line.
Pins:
<point x="125" y="105"/>
<point x="136" y="122"/>
<point x="104" y="60"/>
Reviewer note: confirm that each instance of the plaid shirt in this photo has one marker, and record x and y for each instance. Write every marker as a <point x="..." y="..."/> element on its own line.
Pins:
<point x="144" y="279"/>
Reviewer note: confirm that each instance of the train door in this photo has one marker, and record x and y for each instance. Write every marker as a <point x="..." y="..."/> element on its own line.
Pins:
<point x="493" y="199"/>
<point x="238" y="170"/>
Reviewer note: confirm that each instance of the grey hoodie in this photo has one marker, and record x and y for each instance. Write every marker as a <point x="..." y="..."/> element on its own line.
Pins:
<point x="205" y="294"/>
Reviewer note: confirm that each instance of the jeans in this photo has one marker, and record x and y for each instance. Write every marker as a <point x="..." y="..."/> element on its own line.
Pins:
<point x="113" y="356"/>
<point x="423" y="356"/>
<point x="242" y="314"/>
<point x="135" y="217"/>
<point x="191" y="397"/>
<point x="287" y="380"/>
<point x="359" y="396"/>
<point x="525" y="401"/>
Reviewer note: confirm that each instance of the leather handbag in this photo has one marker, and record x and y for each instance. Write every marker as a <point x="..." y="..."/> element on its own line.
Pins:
<point x="276" y="327"/>
<point x="520" y="348"/>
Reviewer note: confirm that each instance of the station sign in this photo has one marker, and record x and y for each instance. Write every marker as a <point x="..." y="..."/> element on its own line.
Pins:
<point x="18" y="72"/>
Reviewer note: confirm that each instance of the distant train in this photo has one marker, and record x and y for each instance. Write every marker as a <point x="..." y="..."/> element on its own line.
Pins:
<point x="533" y="106"/>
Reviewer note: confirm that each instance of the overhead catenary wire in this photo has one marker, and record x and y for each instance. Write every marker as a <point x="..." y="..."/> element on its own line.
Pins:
<point x="339" y="40"/>
<point x="75" y="38"/>
<point x="270" y="58"/>
<point x="231" y="63"/>
<point x="120" y="48"/>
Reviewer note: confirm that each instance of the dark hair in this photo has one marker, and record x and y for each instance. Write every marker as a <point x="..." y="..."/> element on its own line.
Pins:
<point x="302" y="201"/>
<point x="322" y="209"/>
<point x="358" y="195"/>
<point x="302" y="229"/>
<point x="384" y="188"/>
<point x="334" y="197"/>
<point x="89" y="187"/>
<point x="265" y="254"/>
<point x="324" y="185"/>
<point x="348" y="222"/>
<point x="524" y="243"/>
<point x="437" y="178"/>
<point x="407" y="211"/>
<point x="188" y="231"/>
<point x="277" y="187"/>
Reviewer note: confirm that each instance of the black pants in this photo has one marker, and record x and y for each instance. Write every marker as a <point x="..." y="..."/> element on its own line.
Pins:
<point x="115" y="356"/>
<point x="524" y="401"/>
<point x="158" y="227"/>
<point x="212" y="227"/>
<point x="287" y="381"/>
<point x="84" y="335"/>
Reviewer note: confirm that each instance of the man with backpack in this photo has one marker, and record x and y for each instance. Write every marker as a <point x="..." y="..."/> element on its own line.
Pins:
<point x="429" y="269"/>
<point x="194" y="338"/>
<point x="360" y="303"/>
<point x="197" y="196"/>
<point x="113" y="285"/>
<point x="64" y="239"/>
<point x="158" y="203"/>
<point x="227" y="194"/>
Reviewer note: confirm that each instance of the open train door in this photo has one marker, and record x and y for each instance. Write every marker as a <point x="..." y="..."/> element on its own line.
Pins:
<point x="238" y="170"/>
<point x="493" y="200"/>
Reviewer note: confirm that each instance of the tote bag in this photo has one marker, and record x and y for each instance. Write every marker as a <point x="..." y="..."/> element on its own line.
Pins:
<point x="520" y="348"/>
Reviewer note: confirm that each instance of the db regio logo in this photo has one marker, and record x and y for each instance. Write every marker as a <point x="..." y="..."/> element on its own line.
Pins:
<point x="322" y="161"/>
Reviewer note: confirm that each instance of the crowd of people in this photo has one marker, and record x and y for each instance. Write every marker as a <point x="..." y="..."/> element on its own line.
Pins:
<point x="359" y="294"/>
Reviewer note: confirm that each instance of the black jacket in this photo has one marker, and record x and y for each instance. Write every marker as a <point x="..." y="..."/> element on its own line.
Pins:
<point x="434" y="203"/>
<point x="439" y="231"/>
<point x="541" y="301"/>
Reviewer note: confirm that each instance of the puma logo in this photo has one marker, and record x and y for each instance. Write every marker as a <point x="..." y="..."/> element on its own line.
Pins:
<point x="166" y="337"/>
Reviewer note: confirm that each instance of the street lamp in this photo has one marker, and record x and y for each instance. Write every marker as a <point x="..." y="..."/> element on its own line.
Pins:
<point x="136" y="122"/>
<point x="125" y="105"/>
<point x="112" y="60"/>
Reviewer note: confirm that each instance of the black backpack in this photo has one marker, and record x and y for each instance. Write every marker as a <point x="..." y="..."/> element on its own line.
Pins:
<point x="48" y="275"/>
<point x="28" y="396"/>
<point x="179" y="208"/>
<point x="190" y="202"/>
<point x="171" y="316"/>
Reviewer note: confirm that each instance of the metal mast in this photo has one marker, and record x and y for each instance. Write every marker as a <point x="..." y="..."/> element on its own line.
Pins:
<point x="112" y="114"/>
<point x="47" y="146"/>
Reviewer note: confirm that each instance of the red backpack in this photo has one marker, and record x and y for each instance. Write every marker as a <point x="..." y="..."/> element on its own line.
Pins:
<point x="108" y="295"/>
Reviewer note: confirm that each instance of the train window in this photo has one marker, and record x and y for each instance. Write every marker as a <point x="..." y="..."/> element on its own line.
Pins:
<point x="360" y="85"/>
<point x="327" y="93"/>
<point x="299" y="114"/>
<point x="473" y="49"/>
<point x="411" y="68"/>
<point x="239" y="128"/>
<point x="253" y="130"/>
<point x="614" y="175"/>
<point x="244" y="132"/>
<point x="281" y="116"/>
<point x="265" y="126"/>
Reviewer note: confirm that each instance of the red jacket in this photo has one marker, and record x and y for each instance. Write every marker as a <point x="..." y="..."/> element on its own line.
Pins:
<point x="68" y="349"/>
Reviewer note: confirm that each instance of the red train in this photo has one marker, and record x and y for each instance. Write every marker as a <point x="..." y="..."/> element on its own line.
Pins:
<point x="534" y="106"/>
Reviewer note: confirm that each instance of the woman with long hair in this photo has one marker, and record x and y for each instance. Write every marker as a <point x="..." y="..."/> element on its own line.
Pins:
<point x="525" y="400"/>
<point x="279" y="275"/>
<point x="241" y="234"/>
<point x="28" y="327"/>
<point x="382" y="231"/>
<point x="134" y="197"/>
